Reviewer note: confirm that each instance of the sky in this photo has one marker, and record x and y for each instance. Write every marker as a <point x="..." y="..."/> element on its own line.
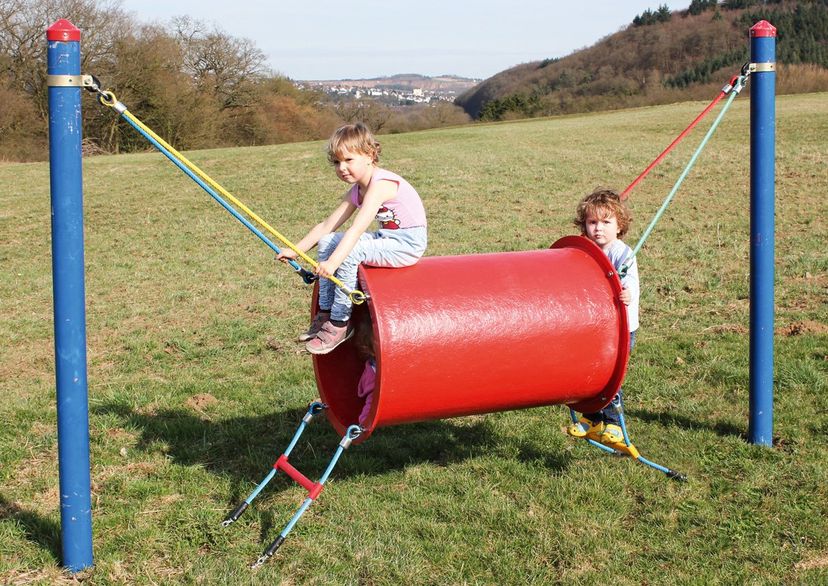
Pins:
<point x="358" y="39"/>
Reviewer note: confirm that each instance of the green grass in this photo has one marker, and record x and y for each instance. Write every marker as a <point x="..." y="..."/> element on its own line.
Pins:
<point x="195" y="386"/>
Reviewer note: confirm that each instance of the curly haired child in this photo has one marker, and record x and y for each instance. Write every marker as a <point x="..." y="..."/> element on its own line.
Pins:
<point x="602" y="217"/>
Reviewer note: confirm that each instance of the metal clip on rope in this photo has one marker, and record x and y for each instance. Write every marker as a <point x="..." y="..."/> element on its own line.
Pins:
<point x="356" y="296"/>
<point x="91" y="83"/>
<point x="107" y="98"/>
<point x="740" y="84"/>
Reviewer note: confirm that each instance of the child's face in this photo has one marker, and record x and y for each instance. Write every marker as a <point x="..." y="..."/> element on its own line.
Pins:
<point x="352" y="166"/>
<point x="603" y="231"/>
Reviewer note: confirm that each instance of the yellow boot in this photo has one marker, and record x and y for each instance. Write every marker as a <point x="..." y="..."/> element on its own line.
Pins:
<point x="585" y="428"/>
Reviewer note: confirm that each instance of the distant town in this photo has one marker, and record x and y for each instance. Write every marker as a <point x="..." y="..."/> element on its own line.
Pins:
<point x="403" y="89"/>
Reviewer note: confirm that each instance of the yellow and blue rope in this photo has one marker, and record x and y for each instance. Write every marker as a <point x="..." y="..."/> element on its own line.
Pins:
<point x="204" y="181"/>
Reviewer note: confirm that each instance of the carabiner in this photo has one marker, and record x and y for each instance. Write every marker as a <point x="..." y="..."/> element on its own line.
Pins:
<point x="107" y="98"/>
<point x="357" y="297"/>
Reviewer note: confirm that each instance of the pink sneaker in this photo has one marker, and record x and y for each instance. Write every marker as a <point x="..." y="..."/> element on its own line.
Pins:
<point x="315" y="326"/>
<point x="328" y="338"/>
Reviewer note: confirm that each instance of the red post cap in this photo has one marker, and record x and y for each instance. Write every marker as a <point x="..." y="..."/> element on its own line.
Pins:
<point x="763" y="29"/>
<point x="63" y="30"/>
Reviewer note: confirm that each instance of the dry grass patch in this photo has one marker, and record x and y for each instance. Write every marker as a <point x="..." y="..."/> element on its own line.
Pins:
<point x="803" y="327"/>
<point x="199" y="403"/>
<point x="52" y="577"/>
<point x="813" y="562"/>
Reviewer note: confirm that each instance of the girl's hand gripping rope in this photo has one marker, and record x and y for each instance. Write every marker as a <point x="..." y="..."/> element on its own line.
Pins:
<point x="289" y="256"/>
<point x="322" y="270"/>
<point x="326" y="268"/>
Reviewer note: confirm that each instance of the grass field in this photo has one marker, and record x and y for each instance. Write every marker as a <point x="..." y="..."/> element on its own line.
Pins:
<point x="195" y="384"/>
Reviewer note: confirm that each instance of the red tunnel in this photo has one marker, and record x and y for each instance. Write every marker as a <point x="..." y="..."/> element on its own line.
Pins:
<point x="461" y="335"/>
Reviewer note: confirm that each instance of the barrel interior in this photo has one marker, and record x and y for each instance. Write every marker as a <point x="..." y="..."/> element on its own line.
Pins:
<point x="338" y="372"/>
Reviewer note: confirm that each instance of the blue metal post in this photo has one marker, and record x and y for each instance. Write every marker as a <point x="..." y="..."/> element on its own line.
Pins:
<point x="762" y="139"/>
<point x="63" y="69"/>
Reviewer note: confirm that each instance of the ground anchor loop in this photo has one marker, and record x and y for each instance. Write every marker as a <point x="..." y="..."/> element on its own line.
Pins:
<point x="282" y="464"/>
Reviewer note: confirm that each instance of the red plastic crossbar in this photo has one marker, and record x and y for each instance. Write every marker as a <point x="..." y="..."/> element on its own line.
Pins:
<point x="313" y="488"/>
<point x="625" y="194"/>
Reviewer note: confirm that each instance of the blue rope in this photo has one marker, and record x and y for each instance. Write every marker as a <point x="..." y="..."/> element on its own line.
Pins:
<point x="212" y="193"/>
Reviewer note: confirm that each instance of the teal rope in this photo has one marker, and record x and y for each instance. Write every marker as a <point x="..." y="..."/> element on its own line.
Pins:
<point x="737" y="87"/>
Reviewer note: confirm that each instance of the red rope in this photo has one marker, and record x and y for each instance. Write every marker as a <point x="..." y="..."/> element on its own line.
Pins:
<point x="723" y="93"/>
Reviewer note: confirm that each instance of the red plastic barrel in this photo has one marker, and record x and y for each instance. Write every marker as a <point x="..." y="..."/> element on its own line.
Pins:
<point x="461" y="335"/>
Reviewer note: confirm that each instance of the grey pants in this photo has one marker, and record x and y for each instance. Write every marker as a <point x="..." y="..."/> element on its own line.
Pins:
<point x="386" y="248"/>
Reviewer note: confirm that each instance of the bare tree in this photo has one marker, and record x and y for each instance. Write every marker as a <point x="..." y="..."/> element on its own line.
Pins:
<point x="23" y="25"/>
<point x="227" y="68"/>
<point x="194" y="84"/>
<point x="370" y="112"/>
<point x="446" y="114"/>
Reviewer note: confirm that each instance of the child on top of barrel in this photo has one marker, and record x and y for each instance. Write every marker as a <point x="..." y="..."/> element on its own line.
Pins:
<point x="374" y="194"/>
<point x="602" y="217"/>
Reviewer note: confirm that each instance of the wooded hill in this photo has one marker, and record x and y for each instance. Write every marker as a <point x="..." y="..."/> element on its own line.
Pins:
<point x="194" y="84"/>
<point x="662" y="57"/>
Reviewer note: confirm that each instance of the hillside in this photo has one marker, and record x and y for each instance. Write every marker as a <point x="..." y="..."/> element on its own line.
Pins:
<point x="681" y="56"/>
<point x="403" y="81"/>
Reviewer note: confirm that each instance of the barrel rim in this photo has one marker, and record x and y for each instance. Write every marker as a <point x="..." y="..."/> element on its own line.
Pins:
<point x="614" y="384"/>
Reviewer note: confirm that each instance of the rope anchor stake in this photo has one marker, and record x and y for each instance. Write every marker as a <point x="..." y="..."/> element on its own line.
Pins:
<point x="313" y="488"/>
<point x="627" y="448"/>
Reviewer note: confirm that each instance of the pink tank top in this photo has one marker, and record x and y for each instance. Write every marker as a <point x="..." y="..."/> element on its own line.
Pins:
<point x="404" y="210"/>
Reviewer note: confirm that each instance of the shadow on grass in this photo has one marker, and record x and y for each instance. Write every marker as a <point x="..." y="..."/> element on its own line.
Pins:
<point x="671" y="419"/>
<point x="245" y="448"/>
<point x="38" y="529"/>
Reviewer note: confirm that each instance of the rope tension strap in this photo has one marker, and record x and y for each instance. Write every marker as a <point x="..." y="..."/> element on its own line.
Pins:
<point x="734" y="89"/>
<point x="107" y="98"/>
